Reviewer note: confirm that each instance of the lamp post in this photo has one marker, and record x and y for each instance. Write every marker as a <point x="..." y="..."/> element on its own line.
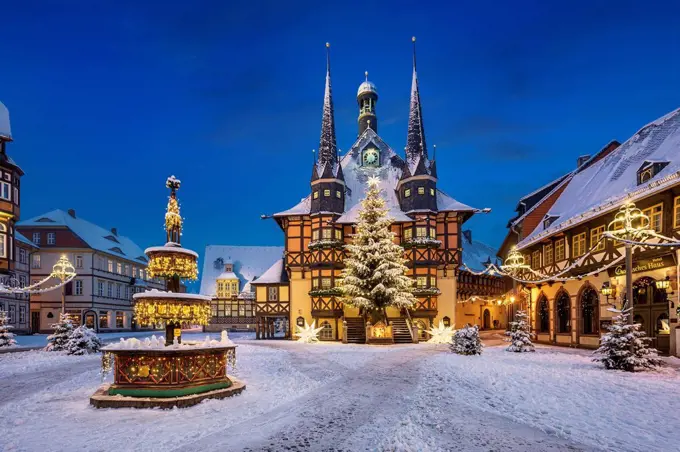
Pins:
<point x="608" y="291"/>
<point x="63" y="270"/>
<point x="629" y="224"/>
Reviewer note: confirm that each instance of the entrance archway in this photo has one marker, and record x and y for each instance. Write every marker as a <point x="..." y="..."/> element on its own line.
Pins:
<point x="486" y="319"/>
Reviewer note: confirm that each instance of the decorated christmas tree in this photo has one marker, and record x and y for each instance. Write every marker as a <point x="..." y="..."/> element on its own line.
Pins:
<point x="57" y="341"/>
<point x="83" y="340"/>
<point x="6" y="335"/>
<point x="519" y="335"/>
<point x="466" y="341"/>
<point x="374" y="276"/>
<point x="625" y="347"/>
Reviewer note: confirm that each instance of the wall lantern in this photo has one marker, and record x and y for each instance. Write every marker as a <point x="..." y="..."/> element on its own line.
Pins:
<point x="663" y="284"/>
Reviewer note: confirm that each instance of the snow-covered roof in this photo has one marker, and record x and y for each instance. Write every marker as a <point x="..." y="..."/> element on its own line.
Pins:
<point x="276" y="274"/>
<point x="248" y="262"/>
<point x="476" y="253"/>
<point x="227" y="275"/>
<point x="155" y="293"/>
<point x="356" y="176"/>
<point x="174" y="248"/>
<point x="606" y="184"/>
<point x="95" y="236"/>
<point x="5" y="130"/>
<point x="21" y="238"/>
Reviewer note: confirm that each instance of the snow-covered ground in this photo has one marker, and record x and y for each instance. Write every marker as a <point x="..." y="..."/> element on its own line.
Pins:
<point x="354" y="398"/>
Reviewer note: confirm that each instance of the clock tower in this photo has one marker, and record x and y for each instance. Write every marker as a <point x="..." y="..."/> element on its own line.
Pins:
<point x="367" y="97"/>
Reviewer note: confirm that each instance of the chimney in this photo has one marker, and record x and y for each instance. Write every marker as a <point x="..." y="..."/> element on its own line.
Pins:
<point x="468" y="235"/>
<point x="581" y="160"/>
<point x="72" y="212"/>
<point x="229" y="267"/>
<point x="114" y="231"/>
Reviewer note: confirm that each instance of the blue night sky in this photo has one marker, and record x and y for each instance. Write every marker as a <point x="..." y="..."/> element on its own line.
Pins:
<point x="108" y="98"/>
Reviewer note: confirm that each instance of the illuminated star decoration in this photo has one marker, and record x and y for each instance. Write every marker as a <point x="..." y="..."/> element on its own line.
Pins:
<point x="308" y="334"/>
<point x="373" y="181"/>
<point x="441" y="335"/>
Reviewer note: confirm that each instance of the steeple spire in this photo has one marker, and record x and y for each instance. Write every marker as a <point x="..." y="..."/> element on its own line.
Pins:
<point x="415" y="139"/>
<point x="328" y="151"/>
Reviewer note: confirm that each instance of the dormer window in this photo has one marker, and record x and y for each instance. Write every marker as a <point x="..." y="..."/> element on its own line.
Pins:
<point x="648" y="170"/>
<point x="548" y="220"/>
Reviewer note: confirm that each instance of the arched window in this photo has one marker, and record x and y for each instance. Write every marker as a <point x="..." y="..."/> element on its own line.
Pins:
<point x="590" y="310"/>
<point x="326" y="333"/>
<point x="3" y="240"/>
<point x="563" y="311"/>
<point x="543" y="315"/>
<point x="645" y="292"/>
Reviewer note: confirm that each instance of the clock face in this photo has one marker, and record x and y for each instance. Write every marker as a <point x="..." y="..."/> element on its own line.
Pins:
<point x="371" y="157"/>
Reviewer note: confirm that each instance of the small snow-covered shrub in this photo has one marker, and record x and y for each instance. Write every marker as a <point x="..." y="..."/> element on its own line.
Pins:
<point x="6" y="335"/>
<point x="519" y="335"/>
<point x="625" y="347"/>
<point x="83" y="340"/>
<point x="466" y="341"/>
<point x="57" y="341"/>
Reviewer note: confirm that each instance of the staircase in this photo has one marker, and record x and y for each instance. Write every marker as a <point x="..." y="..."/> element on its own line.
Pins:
<point x="356" y="330"/>
<point x="401" y="331"/>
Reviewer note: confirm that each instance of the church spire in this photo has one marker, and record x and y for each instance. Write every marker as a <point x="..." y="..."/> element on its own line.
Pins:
<point x="415" y="139"/>
<point x="328" y="150"/>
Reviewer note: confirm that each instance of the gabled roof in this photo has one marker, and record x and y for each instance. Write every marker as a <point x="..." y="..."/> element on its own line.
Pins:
<point x="249" y="262"/>
<point x="605" y="184"/>
<point x="276" y="274"/>
<point x="95" y="236"/>
<point x="21" y="238"/>
<point x="476" y="253"/>
<point x="356" y="176"/>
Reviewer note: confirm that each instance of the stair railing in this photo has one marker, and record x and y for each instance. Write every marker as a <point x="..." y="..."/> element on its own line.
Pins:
<point x="411" y="326"/>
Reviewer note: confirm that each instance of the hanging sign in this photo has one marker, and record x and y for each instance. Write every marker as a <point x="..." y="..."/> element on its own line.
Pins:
<point x="644" y="265"/>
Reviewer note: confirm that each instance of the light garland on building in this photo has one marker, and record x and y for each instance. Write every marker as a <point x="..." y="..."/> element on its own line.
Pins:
<point x="63" y="271"/>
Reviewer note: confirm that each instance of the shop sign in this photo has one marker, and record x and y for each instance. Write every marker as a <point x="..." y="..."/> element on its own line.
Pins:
<point x="644" y="265"/>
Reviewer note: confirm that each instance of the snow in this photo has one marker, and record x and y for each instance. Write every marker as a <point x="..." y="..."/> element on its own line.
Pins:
<point x="356" y="176"/>
<point x="21" y="238"/>
<point x="248" y="262"/>
<point x="155" y="293"/>
<point x="171" y="248"/>
<point x="5" y="130"/>
<point x="604" y="185"/>
<point x="307" y="397"/>
<point x="158" y="344"/>
<point x="93" y="235"/>
<point x="475" y="253"/>
<point x="274" y="275"/>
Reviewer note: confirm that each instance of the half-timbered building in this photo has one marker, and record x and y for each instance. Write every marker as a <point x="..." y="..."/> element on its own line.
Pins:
<point x="427" y="222"/>
<point x="571" y="218"/>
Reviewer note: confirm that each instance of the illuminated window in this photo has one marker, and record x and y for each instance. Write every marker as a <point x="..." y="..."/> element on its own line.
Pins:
<point x="338" y="234"/>
<point x="433" y="281"/>
<point x="338" y="194"/>
<point x="559" y="250"/>
<point x="326" y="283"/>
<point x="433" y="233"/>
<point x="421" y="282"/>
<point x="316" y="194"/>
<point x="407" y="193"/>
<point x="536" y="259"/>
<point x="676" y="212"/>
<point x="315" y="283"/>
<point x="595" y="236"/>
<point x="110" y="266"/>
<point x="421" y="231"/>
<point x="103" y="320"/>
<point x="326" y="234"/>
<point x="120" y="320"/>
<point x="548" y="254"/>
<point x="421" y="190"/>
<point x="655" y="214"/>
<point x="315" y="234"/>
<point x="408" y="233"/>
<point x="578" y="245"/>
<point x="3" y="240"/>
<point x="326" y="192"/>
<point x="431" y="191"/>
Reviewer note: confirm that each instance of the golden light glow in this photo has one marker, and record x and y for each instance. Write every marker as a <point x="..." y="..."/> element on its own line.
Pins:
<point x="629" y="222"/>
<point x="172" y="216"/>
<point x="63" y="269"/>
<point x="515" y="262"/>
<point x="165" y="264"/>
<point x="152" y="312"/>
